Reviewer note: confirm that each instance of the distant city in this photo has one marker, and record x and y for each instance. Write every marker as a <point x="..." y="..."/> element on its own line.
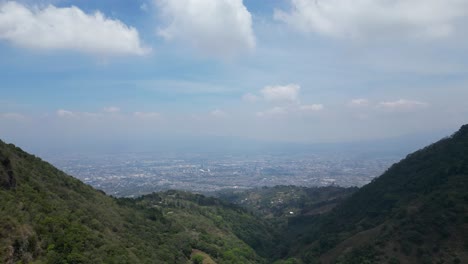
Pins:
<point x="134" y="174"/>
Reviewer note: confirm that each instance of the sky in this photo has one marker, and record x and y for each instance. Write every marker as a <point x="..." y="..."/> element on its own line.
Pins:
<point x="301" y="71"/>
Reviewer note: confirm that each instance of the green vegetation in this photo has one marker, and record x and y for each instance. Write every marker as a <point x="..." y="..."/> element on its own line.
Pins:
<point x="49" y="217"/>
<point x="198" y="259"/>
<point x="416" y="212"/>
<point x="287" y="201"/>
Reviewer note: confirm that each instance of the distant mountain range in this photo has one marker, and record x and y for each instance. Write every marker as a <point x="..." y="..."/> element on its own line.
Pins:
<point x="416" y="212"/>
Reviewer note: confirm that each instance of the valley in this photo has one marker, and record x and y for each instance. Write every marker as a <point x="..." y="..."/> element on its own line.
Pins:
<point x="415" y="212"/>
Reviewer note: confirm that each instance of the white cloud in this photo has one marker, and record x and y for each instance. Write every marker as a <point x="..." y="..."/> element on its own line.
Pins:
<point x="69" y="28"/>
<point x="249" y="97"/>
<point x="287" y="96"/>
<point x="358" y="102"/>
<point x="312" y="107"/>
<point x="147" y="115"/>
<point x="282" y="94"/>
<point x="361" y="18"/>
<point x="111" y="109"/>
<point x="402" y="104"/>
<point x="221" y="28"/>
<point x="65" y="113"/>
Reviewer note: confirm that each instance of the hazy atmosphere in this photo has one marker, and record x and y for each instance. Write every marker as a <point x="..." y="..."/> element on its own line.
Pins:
<point x="234" y="131"/>
<point x="261" y="71"/>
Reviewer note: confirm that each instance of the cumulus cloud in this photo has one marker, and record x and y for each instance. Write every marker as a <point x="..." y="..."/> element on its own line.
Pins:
<point x="363" y="18"/>
<point x="312" y="107"/>
<point x="53" y="28"/>
<point x="402" y="104"/>
<point x="281" y="94"/>
<point x="216" y="27"/>
<point x="285" y="97"/>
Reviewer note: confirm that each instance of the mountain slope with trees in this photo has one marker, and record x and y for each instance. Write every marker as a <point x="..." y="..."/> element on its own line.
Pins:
<point x="47" y="216"/>
<point x="416" y="212"/>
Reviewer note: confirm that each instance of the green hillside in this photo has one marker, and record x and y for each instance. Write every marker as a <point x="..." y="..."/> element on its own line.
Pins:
<point x="47" y="216"/>
<point x="416" y="212"/>
<point x="287" y="201"/>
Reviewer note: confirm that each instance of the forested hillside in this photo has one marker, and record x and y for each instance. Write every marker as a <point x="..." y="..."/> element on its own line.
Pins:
<point x="416" y="212"/>
<point x="49" y="217"/>
<point x="287" y="201"/>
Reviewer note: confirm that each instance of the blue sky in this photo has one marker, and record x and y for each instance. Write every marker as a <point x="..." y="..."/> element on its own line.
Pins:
<point x="282" y="70"/>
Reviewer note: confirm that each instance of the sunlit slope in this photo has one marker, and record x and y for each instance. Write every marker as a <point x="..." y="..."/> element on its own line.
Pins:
<point x="47" y="216"/>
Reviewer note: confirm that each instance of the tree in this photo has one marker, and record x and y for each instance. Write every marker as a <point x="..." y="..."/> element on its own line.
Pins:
<point x="197" y="259"/>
